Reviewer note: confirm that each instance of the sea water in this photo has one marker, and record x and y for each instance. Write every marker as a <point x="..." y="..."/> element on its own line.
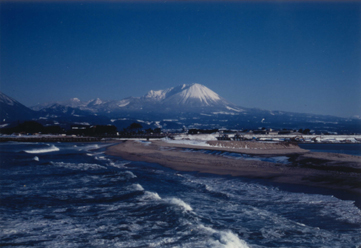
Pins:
<point x="350" y="149"/>
<point x="73" y="195"/>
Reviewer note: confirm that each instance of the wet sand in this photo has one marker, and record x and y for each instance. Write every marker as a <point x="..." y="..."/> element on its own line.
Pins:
<point x="333" y="171"/>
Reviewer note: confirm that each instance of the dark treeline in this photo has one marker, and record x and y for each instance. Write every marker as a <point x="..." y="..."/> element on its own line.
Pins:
<point x="33" y="127"/>
<point x="203" y="131"/>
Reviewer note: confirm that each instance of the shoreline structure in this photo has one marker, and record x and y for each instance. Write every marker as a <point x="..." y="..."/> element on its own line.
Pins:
<point x="306" y="139"/>
<point x="315" y="169"/>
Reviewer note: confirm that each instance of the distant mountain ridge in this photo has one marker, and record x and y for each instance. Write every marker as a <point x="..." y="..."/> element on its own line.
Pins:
<point x="180" y="107"/>
<point x="183" y="98"/>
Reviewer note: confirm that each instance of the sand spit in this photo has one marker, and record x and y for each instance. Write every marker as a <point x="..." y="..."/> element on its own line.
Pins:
<point x="335" y="171"/>
<point x="254" y="145"/>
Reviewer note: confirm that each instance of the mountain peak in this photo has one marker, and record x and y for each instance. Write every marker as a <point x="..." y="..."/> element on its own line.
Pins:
<point x="201" y="93"/>
<point x="75" y="99"/>
<point x="157" y="94"/>
<point x="97" y="101"/>
<point x="194" y="95"/>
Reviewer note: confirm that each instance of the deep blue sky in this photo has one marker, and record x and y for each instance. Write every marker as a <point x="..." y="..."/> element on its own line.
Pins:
<point x="300" y="56"/>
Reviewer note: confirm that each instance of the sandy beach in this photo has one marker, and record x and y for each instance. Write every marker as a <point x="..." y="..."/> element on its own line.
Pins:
<point x="334" y="171"/>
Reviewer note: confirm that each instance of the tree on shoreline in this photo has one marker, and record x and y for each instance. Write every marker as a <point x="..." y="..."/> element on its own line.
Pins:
<point x="135" y="127"/>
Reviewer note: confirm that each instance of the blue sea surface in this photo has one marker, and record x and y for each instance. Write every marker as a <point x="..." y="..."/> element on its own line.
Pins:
<point x="350" y="149"/>
<point x="73" y="195"/>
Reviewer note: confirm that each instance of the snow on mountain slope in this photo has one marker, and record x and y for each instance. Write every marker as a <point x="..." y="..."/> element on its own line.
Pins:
<point x="184" y="98"/>
<point x="200" y="93"/>
<point x="11" y="109"/>
<point x="190" y="106"/>
<point x="194" y="95"/>
<point x="160" y="95"/>
<point x="94" y="102"/>
<point x="123" y="103"/>
<point x="73" y="102"/>
<point x="7" y="100"/>
<point x="157" y="95"/>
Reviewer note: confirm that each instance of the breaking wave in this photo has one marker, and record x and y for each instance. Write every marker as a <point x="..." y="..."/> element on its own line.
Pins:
<point x="179" y="202"/>
<point x="151" y="196"/>
<point x="225" y="239"/>
<point x="78" y="166"/>
<point x="52" y="148"/>
<point x="93" y="200"/>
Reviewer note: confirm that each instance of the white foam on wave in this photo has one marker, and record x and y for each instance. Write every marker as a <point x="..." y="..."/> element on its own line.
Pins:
<point x="60" y="210"/>
<point x="36" y="158"/>
<point x="130" y="174"/>
<point x="226" y="239"/>
<point x="164" y="241"/>
<point x="80" y="166"/>
<point x="100" y="158"/>
<point x="92" y="147"/>
<point x="276" y="223"/>
<point x="152" y="195"/>
<point x="137" y="187"/>
<point x="179" y="202"/>
<point x="52" y="148"/>
<point x="344" y="211"/>
<point x="120" y="165"/>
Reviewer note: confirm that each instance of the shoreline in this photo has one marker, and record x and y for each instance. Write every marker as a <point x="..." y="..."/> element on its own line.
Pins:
<point x="50" y="139"/>
<point x="323" y="170"/>
<point x="261" y="138"/>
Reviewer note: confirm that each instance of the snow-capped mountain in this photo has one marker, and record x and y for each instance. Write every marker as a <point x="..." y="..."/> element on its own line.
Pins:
<point x="189" y="106"/>
<point x="10" y="109"/>
<point x="195" y="95"/>
<point x="182" y="98"/>
<point x="73" y="103"/>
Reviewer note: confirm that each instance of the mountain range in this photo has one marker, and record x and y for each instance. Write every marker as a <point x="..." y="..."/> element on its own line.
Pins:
<point x="183" y="106"/>
<point x="193" y="98"/>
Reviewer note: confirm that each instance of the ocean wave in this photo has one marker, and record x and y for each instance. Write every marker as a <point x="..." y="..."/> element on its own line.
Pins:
<point x="226" y="239"/>
<point x="136" y="187"/>
<point x="101" y="158"/>
<point x="179" y="202"/>
<point x="151" y="195"/>
<point x="164" y="241"/>
<point x="78" y="166"/>
<point x="52" y="148"/>
<point x="90" y="147"/>
<point x="130" y="174"/>
<point x="119" y="165"/>
<point x="108" y="207"/>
